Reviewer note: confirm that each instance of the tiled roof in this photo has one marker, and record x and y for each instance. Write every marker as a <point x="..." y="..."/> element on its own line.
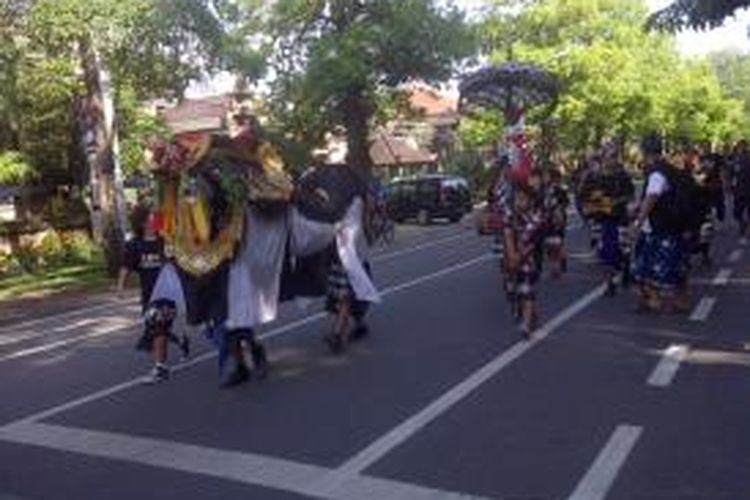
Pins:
<point x="432" y="103"/>
<point x="389" y="150"/>
<point x="195" y="115"/>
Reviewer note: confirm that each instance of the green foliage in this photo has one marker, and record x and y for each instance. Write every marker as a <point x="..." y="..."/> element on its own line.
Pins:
<point x="79" y="249"/>
<point x="55" y="250"/>
<point x="152" y="48"/>
<point x="733" y="71"/>
<point x="470" y="165"/>
<point x="136" y="126"/>
<point x="481" y="130"/>
<point x="14" y="169"/>
<point x="334" y="57"/>
<point x="618" y="80"/>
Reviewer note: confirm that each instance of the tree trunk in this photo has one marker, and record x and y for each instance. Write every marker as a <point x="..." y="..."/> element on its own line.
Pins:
<point x="98" y="141"/>
<point x="357" y="111"/>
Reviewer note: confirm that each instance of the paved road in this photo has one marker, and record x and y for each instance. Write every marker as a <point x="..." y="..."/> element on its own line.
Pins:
<point x="443" y="401"/>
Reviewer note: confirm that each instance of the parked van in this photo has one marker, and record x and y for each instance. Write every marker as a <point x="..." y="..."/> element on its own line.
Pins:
<point x="430" y="197"/>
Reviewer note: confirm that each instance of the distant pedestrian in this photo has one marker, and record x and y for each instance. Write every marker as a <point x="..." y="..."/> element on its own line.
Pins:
<point x="741" y="186"/>
<point x="713" y="168"/>
<point x="556" y="202"/>
<point x="588" y="195"/>
<point x="523" y="236"/>
<point x="616" y="191"/>
<point x="144" y="256"/>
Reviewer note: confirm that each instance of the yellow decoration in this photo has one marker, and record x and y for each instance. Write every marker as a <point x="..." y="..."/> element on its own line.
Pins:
<point x="200" y="219"/>
<point x="198" y="258"/>
<point x="169" y="209"/>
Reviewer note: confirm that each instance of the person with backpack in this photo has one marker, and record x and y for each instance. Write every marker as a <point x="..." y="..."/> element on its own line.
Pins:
<point x="665" y="216"/>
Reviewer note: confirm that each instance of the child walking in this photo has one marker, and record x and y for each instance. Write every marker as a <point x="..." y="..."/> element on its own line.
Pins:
<point x="144" y="256"/>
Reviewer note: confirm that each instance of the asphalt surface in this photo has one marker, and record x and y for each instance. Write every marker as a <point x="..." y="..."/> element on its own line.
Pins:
<point x="442" y="401"/>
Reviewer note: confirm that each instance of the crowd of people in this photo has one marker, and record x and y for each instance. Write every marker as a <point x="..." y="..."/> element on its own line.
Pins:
<point x="651" y="237"/>
<point x="145" y="257"/>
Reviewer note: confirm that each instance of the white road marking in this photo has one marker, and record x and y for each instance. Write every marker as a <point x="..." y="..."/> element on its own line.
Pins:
<point x="104" y="393"/>
<point x="722" y="277"/>
<point x="133" y="301"/>
<point x="385" y="444"/>
<point x="407" y="251"/>
<point x="601" y="476"/>
<point x="25" y="324"/>
<point x="246" y="468"/>
<point x="666" y="370"/>
<point x="437" y="274"/>
<point x="736" y="256"/>
<point x="586" y="256"/>
<point x="31" y="335"/>
<point x="703" y="310"/>
<point x="68" y="341"/>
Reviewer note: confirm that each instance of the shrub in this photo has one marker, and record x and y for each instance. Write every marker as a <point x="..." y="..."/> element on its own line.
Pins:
<point x="79" y="249"/>
<point x="9" y="265"/>
<point x="50" y="250"/>
<point x="14" y="169"/>
<point x="28" y="259"/>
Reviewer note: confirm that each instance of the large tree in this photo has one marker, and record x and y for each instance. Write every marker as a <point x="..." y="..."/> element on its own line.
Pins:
<point x="333" y="57"/>
<point x="151" y="48"/>
<point x="618" y="80"/>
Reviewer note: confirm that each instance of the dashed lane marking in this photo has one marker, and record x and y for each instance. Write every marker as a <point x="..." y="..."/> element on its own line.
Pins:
<point x="722" y="277"/>
<point x="418" y="248"/>
<point x="736" y="256"/>
<point x="604" y="471"/>
<point x="385" y="444"/>
<point x="666" y="370"/>
<point x="703" y="310"/>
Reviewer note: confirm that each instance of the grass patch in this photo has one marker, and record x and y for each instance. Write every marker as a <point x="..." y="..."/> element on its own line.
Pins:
<point x="75" y="277"/>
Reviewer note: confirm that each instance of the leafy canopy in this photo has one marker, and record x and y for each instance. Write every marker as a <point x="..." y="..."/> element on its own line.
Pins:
<point x="333" y="58"/>
<point x="619" y="81"/>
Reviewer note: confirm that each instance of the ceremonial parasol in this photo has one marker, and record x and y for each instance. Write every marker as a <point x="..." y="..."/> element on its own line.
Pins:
<point x="509" y="86"/>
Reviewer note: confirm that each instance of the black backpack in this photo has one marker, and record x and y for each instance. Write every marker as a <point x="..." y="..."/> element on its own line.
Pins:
<point x="678" y="210"/>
